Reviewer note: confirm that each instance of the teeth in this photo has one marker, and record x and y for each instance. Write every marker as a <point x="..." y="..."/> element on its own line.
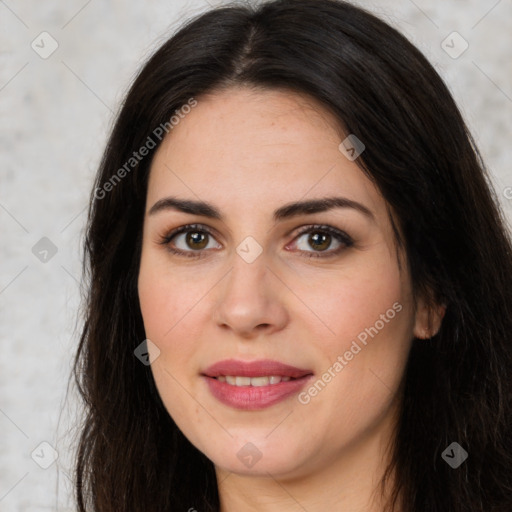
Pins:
<point x="243" y="381"/>
<point x="252" y="381"/>
<point x="261" y="381"/>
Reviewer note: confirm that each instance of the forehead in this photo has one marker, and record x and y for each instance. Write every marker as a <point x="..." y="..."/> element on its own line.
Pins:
<point x="241" y="148"/>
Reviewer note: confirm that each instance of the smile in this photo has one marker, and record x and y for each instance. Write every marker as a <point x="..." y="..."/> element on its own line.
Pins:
<point x="252" y="381"/>
<point x="254" y="393"/>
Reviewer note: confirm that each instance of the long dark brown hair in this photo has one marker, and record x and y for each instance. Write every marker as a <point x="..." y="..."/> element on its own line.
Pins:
<point x="457" y="385"/>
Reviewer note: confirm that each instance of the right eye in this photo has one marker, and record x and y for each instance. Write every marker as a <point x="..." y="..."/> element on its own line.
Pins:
<point x="189" y="240"/>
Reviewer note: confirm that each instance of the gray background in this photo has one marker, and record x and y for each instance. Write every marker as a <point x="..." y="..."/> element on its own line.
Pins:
<point x="55" y="114"/>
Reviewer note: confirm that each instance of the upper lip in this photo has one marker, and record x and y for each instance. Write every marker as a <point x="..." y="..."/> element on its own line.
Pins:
<point x="259" y="368"/>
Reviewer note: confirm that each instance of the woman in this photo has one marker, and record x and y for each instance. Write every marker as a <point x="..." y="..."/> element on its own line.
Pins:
<point x="300" y="280"/>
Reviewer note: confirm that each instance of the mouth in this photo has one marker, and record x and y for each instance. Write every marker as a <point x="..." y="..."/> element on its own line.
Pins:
<point x="256" y="373"/>
<point x="263" y="380"/>
<point x="256" y="384"/>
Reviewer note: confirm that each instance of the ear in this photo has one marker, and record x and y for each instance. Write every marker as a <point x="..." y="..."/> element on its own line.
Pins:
<point x="428" y="319"/>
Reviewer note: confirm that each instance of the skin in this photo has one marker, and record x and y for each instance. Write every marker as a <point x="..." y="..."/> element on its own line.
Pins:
<point x="249" y="152"/>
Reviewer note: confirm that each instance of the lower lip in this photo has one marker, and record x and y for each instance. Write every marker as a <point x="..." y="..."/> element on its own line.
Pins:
<point x="250" y="398"/>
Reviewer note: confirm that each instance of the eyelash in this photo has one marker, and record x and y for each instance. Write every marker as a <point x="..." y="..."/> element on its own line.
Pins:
<point x="340" y="236"/>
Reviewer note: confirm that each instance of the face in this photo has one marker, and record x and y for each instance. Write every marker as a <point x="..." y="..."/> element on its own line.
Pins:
<point x="251" y="278"/>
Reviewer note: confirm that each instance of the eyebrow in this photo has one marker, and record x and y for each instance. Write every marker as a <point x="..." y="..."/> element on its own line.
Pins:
<point x="287" y="211"/>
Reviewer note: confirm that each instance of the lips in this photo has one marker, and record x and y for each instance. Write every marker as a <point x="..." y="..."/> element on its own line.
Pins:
<point x="260" y="368"/>
<point x="256" y="385"/>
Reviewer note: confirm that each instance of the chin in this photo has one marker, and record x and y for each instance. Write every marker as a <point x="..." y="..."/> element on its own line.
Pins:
<point x="251" y="458"/>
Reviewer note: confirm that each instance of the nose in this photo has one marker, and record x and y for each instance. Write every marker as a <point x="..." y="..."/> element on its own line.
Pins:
<point x="250" y="300"/>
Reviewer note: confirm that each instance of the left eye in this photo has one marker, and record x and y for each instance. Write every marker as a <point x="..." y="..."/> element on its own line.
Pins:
<point x="320" y="238"/>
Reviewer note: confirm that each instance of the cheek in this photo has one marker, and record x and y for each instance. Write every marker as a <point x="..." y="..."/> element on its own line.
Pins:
<point x="167" y="300"/>
<point x="369" y="296"/>
<point x="367" y="307"/>
<point x="172" y="304"/>
<point x="370" y="318"/>
<point x="170" y="322"/>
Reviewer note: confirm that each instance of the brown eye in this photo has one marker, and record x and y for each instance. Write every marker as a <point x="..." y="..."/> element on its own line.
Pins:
<point x="189" y="240"/>
<point x="321" y="239"/>
<point x="197" y="239"/>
